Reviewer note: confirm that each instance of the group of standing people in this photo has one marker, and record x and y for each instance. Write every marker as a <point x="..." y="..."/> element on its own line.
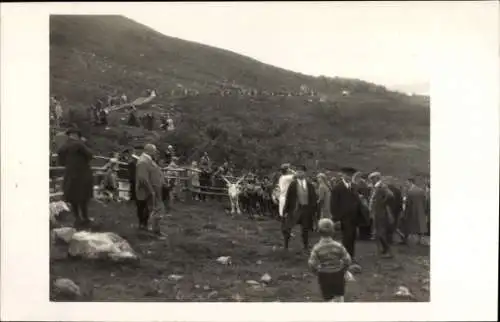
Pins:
<point x="204" y="179"/>
<point x="148" y="187"/>
<point x="341" y="208"/>
<point x="365" y="209"/>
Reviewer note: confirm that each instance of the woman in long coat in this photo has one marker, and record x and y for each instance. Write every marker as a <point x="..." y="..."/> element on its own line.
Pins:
<point x="75" y="156"/>
<point x="414" y="221"/>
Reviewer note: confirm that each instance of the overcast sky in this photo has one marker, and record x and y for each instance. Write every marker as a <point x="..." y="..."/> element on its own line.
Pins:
<point x="387" y="43"/>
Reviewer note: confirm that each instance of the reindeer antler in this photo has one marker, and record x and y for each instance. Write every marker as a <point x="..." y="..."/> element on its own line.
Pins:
<point x="225" y="179"/>
<point x="240" y="179"/>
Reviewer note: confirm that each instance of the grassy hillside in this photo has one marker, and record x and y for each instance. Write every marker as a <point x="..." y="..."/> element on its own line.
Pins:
<point x="372" y="128"/>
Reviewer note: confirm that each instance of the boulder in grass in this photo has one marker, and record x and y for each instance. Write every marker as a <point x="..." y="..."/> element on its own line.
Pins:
<point x="62" y="235"/>
<point x="224" y="260"/>
<point x="66" y="288"/>
<point x="404" y="293"/>
<point x="56" y="208"/>
<point x="110" y="246"/>
<point x="252" y="283"/>
<point x="266" y="278"/>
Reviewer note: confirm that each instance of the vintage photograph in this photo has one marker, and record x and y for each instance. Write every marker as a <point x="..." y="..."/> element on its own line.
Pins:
<point x="230" y="160"/>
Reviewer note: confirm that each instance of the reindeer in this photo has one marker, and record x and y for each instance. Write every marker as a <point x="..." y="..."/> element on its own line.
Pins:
<point x="234" y="191"/>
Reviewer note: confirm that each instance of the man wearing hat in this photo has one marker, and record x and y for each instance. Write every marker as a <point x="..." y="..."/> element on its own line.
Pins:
<point x="286" y="177"/>
<point x="347" y="209"/>
<point x="75" y="156"/>
<point x="300" y="207"/>
<point x="146" y="194"/>
<point x="381" y="213"/>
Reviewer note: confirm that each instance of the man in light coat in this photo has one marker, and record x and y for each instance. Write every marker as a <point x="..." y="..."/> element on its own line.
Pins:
<point x="147" y="194"/>
<point x="381" y="213"/>
<point x="283" y="183"/>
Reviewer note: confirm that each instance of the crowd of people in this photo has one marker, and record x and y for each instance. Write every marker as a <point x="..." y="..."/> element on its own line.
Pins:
<point x="350" y="205"/>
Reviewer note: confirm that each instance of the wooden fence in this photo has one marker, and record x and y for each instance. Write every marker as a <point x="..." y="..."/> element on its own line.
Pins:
<point x="182" y="184"/>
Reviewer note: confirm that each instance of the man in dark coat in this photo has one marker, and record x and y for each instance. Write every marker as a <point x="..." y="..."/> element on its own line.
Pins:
<point x="75" y="156"/>
<point x="300" y="207"/>
<point x="395" y="203"/>
<point x="363" y="190"/>
<point x="347" y="208"/>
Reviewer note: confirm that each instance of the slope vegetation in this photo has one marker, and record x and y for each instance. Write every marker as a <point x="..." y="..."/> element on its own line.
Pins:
<point x="372" y="128"/>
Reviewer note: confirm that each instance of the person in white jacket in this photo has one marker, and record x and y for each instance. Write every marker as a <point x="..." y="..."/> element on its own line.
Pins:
<point x="284" y="181"/>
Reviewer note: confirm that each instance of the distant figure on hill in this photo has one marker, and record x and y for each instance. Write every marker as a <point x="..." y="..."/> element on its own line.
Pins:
<point x="205" y="162"/>
<point x="169" y="154"/>
<point x="132" y="119"/>
<point x="123" y="98"/>
<point x="194" y="180"/>
<point x="150" y="119"/>
<point x="170" y="123"/>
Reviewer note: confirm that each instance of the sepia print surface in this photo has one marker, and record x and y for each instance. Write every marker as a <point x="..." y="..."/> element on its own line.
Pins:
<point x="185" y="172"/>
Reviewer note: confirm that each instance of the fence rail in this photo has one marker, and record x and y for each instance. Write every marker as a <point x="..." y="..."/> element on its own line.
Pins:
<point x="182" y="185"/>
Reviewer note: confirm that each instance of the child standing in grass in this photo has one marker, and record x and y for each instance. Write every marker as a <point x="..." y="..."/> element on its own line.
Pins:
<point x="329" y="260"/>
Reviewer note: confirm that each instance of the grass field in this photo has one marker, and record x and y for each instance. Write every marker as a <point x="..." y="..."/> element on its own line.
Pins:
<point x="199" y="233"/>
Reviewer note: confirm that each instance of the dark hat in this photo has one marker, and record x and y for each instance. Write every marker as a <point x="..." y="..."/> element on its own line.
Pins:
<point x="348" y="170"/>
<point x="301" y="167"/>
<point x="74" y="130"/>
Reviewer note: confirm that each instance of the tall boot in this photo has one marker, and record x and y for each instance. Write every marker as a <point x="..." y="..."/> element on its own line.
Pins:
<point x="305" y="238"/>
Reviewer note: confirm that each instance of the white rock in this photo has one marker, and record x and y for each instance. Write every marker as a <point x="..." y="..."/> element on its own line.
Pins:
<point x="252" y="282"/>
<point x="266" y="278"/>
<point x="224" y="260"/>
<point x="67" y="287"/>
<point x="56" y="208"/>
<point x="206" y="287"/>
<point x="259" y="262"/>
<point x="64" y="234"/>
<point x="212" y="294"/>
<point x="101" y="245"/>
<point x="403" y="291"/>
<point x="175" y="277"/>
